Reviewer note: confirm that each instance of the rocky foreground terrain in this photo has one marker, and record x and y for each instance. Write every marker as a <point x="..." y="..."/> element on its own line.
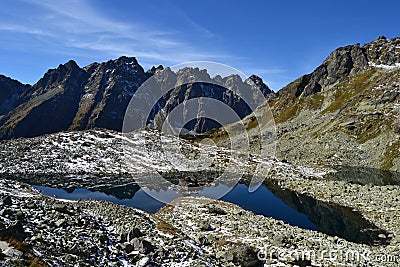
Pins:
<point x="44" y="231"/>
<point x="187" y="232"/>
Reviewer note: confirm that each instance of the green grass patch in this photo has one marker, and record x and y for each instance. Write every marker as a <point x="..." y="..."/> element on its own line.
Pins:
<point x="347" y="91"/>
<point x="392" y="152"/>
<point x="288" y="112"/>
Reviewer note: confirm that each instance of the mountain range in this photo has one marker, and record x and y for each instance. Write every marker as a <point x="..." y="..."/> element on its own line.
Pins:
<point x="346" y="112"/>
<point x="97" y="96"/>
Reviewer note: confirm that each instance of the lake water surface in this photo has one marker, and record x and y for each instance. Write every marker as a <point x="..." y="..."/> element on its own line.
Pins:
<point x="268" y="200"/>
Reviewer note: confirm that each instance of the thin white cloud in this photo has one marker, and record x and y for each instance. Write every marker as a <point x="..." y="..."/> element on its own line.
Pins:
<point x="78" y="30"/>
<point x="23" y="29"/>
<point x="76" y="25"/>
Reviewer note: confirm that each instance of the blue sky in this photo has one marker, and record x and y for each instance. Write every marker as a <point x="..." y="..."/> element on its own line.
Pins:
<point x="277" y="40"/>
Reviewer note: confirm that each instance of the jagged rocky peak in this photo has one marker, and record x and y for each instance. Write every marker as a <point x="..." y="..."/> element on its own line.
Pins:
<point x="121" y="66"/>
<point x="218" y="79"/>
<point x="383" y="51"/>
<point x="344" y="62"/>
<point x="121" y="61"/>
<point x="122" y="75"/>
<point x="124" y="66"/>
<point x="154" y="69"/>
<point x="233" y="78"/>
<point x="165" y="78"/>
<point x="190" y="75"/>
<point x="347" y="60"/>
<point x="65" y="77"/>
<point x="353" y="59"/>
<point x="259" y="83"/>
<point x="127" y="64"/>
<point x="63" y="69"/>
<point x="235" y="83"/>
<point x="69" y="73"/>
<point x="256" y="80"/>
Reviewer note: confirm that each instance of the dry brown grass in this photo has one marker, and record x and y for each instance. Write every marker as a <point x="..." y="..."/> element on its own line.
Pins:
<point x="29" y="260"/>
<point x="167" y="228"/>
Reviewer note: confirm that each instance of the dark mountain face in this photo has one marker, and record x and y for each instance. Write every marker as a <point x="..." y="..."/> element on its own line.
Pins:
<point x="107" y="92"/>
<point x="74" y="98"/>
<point x="10" y="93"/>
<point x="258" y="82"/>
<point x="48" y="106"/>
<point x="225" y="90"/>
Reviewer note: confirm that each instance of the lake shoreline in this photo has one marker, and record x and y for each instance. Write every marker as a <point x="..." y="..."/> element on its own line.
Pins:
<point x="206" y="228"/>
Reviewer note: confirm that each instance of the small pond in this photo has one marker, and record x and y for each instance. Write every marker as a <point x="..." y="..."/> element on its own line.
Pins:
<point x="268" y="200"/>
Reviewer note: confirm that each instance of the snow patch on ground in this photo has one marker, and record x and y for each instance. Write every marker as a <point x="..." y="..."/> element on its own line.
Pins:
<point x="385" y="67"/>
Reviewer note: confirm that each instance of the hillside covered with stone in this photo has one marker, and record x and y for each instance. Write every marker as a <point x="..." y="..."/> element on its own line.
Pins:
<point x="346" y="112"/>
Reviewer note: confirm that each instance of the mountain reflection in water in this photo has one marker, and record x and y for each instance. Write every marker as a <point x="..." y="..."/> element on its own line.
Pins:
<point x="269" y="200"/>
